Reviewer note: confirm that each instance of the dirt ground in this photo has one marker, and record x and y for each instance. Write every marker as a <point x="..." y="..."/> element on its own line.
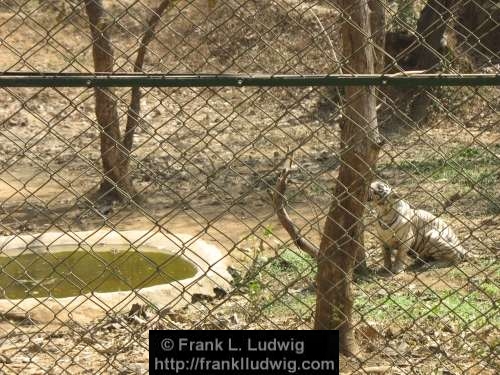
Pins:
<point x="205" y="161"/>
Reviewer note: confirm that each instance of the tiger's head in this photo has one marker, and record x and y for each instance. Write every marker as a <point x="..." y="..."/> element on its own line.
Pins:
<point x="380" y="193"/>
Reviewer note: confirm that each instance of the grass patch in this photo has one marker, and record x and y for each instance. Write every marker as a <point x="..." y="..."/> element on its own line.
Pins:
<point x="291" y="264"/>
<point x="471" y="166"/>
<point x="280" y="289"/>
<point x="275" y="287"/>
<point x="493" y="207"/>
<point x="490" y="267"/>
<point x="474" y="169"/>
<point x="470" y="311"/>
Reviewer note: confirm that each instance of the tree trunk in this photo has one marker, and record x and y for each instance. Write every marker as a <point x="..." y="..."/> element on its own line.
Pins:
<point x="377" y="25"/>
<point x="360" y="144"/>
<point x="427" y="54"/>
<point x="115" y="152"/>
<point x="431" y="26"/>
<point x="478" y="32"/>
<point x="116" y="182"/>
<point x="134" y="109"/>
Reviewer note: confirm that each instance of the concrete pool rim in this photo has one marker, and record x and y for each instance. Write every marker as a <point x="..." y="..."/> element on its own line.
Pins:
<point x="209" y="260"/>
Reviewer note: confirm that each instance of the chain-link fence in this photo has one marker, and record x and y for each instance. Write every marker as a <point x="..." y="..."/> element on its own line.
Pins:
<point x="124" y="210"/>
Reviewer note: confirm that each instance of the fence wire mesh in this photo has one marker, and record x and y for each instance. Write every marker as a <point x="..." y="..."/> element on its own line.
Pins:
<point x="162" y="215"/>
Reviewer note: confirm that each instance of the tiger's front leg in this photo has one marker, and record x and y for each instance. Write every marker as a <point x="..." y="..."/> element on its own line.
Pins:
<point x="387" y="258"/>
<point x="400" y="262"/>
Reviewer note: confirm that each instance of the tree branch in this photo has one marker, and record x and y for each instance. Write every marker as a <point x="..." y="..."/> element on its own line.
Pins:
<point x="280" y="206"/>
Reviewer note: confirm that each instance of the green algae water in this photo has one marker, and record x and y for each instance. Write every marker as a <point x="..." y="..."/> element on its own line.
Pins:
<point x="65" y="272"/>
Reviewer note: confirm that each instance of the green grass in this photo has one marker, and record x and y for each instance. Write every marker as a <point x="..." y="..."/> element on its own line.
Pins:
<point x="291" y="263"/>
<point x="472" y="169"/>
<point x="269" y="288"/>
<point x="468" y="309"/>
<point x="493" y="206"/>
<point x="487" y="266"/>
<point x="471" y="310"/>
<point x="470" y="166"/>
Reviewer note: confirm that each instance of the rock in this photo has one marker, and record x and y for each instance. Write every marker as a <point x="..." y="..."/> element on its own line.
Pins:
<point x="198" y="297"/>
<point x="220" y="292"/>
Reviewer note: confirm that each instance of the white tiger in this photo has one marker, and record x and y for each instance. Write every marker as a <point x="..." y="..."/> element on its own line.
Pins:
<point x="406" y="231"/>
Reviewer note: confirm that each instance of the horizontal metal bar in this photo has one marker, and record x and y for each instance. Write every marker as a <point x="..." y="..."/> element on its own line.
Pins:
<point x="17" y="79"/>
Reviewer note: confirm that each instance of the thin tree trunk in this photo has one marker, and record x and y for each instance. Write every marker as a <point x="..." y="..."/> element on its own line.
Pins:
<point x="116" y="182"/>
<point x="360" y="144"/>
<point x="115" y="152"/>
<point x="377" y="25"/>
<point x="134" y="109"/>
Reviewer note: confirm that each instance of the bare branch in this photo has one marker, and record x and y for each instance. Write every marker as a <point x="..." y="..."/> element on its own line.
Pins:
<point x="280" y="206"/>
